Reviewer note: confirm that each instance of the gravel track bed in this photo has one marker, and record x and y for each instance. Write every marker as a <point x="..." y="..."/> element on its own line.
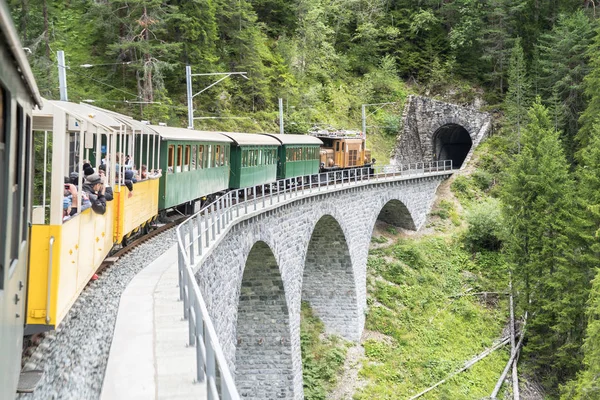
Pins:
<point x="74" y="357"/>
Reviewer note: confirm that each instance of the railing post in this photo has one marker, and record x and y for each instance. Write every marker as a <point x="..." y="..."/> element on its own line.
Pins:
<point x="191" y="239"/>
<point x="212" y="220"/>
<point x="191" y="322"/>
<point x="263" y="194"/>
<point x="319" y="182"/>
<point x="271" y="193"/>
<point x="223" y="212"/>
<point x="206" y="227"/>
<point x="219" y="214"/>
<point x="181" y="266"/>
<point x="245" y="200"/>
<point x="237" y="202"/>
<point x="210" y="367"/>
<point x="255" y="196"/>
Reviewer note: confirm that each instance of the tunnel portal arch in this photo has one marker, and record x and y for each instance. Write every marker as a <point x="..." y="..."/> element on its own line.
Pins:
<point x="452" y="142"/>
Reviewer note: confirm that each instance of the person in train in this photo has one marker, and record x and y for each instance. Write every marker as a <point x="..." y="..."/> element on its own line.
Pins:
<point x="95" y="190"/>
<point x="108" y="192"/>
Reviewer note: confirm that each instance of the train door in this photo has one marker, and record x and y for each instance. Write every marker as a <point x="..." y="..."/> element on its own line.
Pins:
<point x="15" y="178"/>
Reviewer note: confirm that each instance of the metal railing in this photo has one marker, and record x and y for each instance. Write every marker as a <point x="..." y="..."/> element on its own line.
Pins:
<point x="198" y="233"/>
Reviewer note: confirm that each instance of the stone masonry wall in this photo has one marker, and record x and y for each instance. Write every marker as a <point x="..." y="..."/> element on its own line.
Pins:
<point x="263" y="355"/>
<point x="421" y="120"/>
<point x="329" y="230"/>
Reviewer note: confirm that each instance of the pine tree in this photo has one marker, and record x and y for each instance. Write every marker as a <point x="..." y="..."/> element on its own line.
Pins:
<point x="540" y="213"/>
<point x="590" y="117"/>
<point x="587" y="384"/>
<point x="563" y="66"/>
<point x="515" y="102"/>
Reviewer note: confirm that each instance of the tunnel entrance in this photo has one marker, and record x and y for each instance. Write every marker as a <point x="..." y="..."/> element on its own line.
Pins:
<point x="452" y="142"/>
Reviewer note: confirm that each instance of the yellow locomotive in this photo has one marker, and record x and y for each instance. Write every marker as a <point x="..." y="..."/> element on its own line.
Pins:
<point x="342" y="149"/>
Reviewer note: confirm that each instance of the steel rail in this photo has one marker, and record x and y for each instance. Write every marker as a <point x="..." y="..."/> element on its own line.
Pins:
<point x="197" y="234"/>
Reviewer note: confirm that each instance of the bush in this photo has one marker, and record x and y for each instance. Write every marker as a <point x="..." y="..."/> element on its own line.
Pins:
<point x="485" y="225"/>
<point x="462" y="187"/>
<point x="483" y="179"/>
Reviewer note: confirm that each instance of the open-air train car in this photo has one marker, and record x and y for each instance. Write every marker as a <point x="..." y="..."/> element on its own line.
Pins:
<point x="66" y="251"/>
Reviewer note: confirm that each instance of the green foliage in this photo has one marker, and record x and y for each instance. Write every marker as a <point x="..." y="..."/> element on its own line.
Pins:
<point x="516" y="100"/>
<point x="563" y="64"/>
<point x="485" y="225"/>
<point x="586" y="385"/>
<point x="321" y="358"/>
<point x="550" y="276"/>
<point x="429" y="334"/>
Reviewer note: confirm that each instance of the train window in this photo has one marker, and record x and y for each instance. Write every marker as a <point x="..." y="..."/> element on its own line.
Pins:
<point x="179" y="159"/>
<point x="193" y="160"/>
<point x="4" y="105"/>
<point x="186" y="160"/>
<point x="227" y="156"/>
<point x="343" y="146"/>
<point x="2" y="112"/>
<point x="217" y="156"/>
<point x="201" y="156"/>
<point x="17" y="201"/>
<point x="337" y="146"/>
<point x="26" y="205"/>
<point x="210" y="162"/>
<point x="170" y="160"/>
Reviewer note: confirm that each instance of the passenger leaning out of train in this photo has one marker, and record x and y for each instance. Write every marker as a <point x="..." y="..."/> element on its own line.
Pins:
<point x="95" y="190"/>
<point x="108" y="192"/>
<point x="70" y="195"/>
<point x="126" y="182"/>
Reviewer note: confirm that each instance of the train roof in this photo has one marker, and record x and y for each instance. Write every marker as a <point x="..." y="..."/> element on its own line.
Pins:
<point x="295" y="139"/>
<point x="251" y="139"/>
<point x="94" y="114"/>
<point x="7" y="29"/>
<point x="43" y="118"/>
<point x="172" y="133"/>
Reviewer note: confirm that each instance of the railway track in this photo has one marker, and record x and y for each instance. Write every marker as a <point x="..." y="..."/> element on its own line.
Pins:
<point x="36" y="345"/>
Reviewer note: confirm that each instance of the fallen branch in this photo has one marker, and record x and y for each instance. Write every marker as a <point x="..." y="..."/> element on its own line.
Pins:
<point x="513" y="350"/>
<point x="510" y="361"/>
<point x="468" y="365"/>
<point x="475" y="294"/>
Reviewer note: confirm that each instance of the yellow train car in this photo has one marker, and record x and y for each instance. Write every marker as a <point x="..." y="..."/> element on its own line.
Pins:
<point x="67" y="250"/>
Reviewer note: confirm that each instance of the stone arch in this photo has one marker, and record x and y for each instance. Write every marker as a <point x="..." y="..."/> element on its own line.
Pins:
<point x="328" y="281"/>
<point x="452" y="142"/>
<point x="395" y="212"/>
<point x="263" y="356"/>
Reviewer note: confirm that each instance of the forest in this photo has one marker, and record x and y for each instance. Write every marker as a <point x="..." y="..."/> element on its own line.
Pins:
<point x="534" y="64"/>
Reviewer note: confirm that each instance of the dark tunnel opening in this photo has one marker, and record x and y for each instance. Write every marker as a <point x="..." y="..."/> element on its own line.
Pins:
<point x="452" y="142"/>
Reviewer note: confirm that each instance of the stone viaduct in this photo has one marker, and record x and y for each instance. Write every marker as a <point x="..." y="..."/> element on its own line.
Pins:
<point x="314" y="248"/>
<point x="434" y="130"/>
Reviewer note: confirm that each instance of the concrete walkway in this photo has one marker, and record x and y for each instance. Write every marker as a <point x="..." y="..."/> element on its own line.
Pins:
<point x="148" y="356"/>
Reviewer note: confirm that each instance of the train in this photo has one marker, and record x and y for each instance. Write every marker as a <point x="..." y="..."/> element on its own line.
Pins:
<point x="52" y="247"/>
<point x="18" y="96"/>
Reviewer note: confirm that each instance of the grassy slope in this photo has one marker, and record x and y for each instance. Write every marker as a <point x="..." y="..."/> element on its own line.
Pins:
<point x="431" y="334"/>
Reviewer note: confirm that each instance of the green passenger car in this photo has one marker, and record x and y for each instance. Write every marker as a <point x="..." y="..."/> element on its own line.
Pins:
<point x="253" y="159"/>
<point x="194" y="164"/>
<point x="298" y="155"/>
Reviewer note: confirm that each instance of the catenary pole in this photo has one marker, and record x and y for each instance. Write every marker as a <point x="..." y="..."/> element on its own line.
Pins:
<point x="281" y="115"/>
<point x="62" y="75"/>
